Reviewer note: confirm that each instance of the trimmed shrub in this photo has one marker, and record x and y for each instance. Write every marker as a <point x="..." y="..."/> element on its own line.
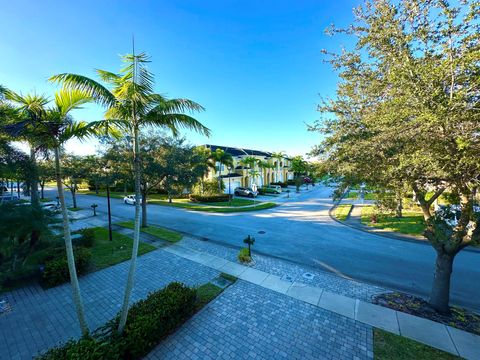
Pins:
<point x="56" y="270"/>
<point x="22" y="276"/>
<point x="88" y="237"/>
<point x="209" y="198"/>
<point x="149" y="321"/>
<point x="86" y="348"/>
<point x="152" y="319"/>
<point x="243" y="256"/>
<point x="282" y="184"/>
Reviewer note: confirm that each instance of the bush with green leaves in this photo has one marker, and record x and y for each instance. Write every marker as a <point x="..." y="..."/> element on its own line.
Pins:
<point x="56" y="271"/>
<point x="209" y="198"/>
<point x="149" y="321"/>
<point x="88" y="237"/>
<point x="243" y="256"/>
<point x="208" y="187"/>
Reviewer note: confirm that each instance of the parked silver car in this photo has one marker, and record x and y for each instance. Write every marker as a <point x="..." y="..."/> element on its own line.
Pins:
<point x="242" y="191"/>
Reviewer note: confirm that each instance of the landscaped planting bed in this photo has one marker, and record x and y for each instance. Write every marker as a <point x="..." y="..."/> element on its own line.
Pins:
<point x="149" y="321"/>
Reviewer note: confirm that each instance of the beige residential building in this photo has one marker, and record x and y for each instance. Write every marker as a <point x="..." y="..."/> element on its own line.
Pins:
<point x="243" y="175"/>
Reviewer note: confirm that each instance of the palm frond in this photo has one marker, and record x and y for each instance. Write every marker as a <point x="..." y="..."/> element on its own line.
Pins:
<point x="94" y="89"/>
<point x="175" y="105"/>
<point x="107" y="76"/>
<point x="70" y="99"/>
<point x="174" y="122"/>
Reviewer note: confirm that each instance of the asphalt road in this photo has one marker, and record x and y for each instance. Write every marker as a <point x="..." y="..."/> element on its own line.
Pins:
<point x="302" y="231"/>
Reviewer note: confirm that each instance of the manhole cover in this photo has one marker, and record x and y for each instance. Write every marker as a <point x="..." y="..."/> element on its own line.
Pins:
<point x="308" y="276"/>
<point x="261" y="232"/>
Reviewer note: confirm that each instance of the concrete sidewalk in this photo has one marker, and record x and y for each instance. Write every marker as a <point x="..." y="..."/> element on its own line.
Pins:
<point x="434" y="334"/>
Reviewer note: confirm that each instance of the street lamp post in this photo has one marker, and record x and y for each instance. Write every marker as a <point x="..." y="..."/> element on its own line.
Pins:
<point x="107" y="171"/>
<point x="229" y="186"/>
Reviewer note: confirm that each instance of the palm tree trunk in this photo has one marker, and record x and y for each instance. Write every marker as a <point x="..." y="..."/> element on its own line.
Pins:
<point x="77" y="297"/>
<point x="34" y="179"/>
<point x="136" y="232"/>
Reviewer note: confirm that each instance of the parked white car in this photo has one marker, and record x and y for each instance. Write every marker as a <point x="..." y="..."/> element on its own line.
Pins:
<point x="130" y="200"/>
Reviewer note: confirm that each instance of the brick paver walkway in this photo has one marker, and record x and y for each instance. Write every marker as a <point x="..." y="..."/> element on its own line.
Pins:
<point x="42" y="318"/>
<point x="251" y="322"/>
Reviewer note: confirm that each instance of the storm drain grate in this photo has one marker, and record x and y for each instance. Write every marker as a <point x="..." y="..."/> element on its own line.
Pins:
<point x="261" y="232"/>
<point x="288" y="278"/>
<point x="308" y="276"/>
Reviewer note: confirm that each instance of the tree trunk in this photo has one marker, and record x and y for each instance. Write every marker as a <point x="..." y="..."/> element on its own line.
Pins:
<point x="42" y="188"/>
<point x="144" y="209"/>
<point x="399" y="208"/>
<point x="125" y="188"/>
<point x="136" y="232"/>
<point x="73" y="190"/>
<point x="34" y="179"/>
<point x="77" y="297"/>
<point x="18" y="189"/>
<point x="96" y="187"/>
<point x="440" y="294"/>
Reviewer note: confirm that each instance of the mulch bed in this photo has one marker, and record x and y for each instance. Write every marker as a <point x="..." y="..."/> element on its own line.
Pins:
<point x="459" y="318"/>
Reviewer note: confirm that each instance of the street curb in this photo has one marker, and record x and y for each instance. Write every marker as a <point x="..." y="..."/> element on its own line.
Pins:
<point x="389" y="236"/>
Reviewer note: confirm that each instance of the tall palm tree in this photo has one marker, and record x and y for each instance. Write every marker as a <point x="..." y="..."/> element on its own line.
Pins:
<point x="30" y="109"/>
<point x="53" y="129"/>
<point x="132" y="103"/>
<point x="250" y="162"/>
<point x="278" y="156"/>
<point x="221" y="157"/>
<point x="204" y="160"/>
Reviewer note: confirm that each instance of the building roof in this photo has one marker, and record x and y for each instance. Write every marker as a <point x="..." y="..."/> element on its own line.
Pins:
<point x="240" y="151"/>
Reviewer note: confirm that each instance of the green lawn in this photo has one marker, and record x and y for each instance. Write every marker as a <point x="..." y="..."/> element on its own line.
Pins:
<point x="106" y="253"/>
<point x="260" y="206"/>
<point x="411" y="223"/>
<point x="369" y="196"/>
<point x="342" y="211"/>
<point x="351" y="195"/>
<point x="159" y="232"/>
<point x="387" y="346"/>
<point x="234" y="202"/>
<point x="74" y="208"/>
<point x="206" y="293"/>
<point x="158" y="199"/>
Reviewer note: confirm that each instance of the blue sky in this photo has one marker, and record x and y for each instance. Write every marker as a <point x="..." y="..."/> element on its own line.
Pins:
<point x="254" y="65"/>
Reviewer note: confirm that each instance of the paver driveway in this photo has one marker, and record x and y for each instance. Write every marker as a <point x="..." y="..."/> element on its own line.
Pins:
<point x="245" y="321"/>
<point x="251" y="322"/>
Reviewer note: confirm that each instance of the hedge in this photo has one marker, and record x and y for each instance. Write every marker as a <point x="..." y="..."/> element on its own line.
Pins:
<point x="282" y="184"/>
<point x="149" y="321"/>
<point x="56" y="271"/>
<point x="209" y="198"/>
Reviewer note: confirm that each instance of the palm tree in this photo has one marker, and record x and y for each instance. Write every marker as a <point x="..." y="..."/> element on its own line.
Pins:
<point x="221" y="157"/>
<point x="264" y="165"/>
<point x="250" y="162"/>
<point x="204" y="160"/>
<point x="131" y="103"/>
<point x="278" y="156"/>
<point x="53" y="129"/>
<point x="29" y="109"/>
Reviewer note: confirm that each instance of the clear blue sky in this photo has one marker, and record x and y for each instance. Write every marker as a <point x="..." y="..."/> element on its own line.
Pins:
<point x="254" y="65"/>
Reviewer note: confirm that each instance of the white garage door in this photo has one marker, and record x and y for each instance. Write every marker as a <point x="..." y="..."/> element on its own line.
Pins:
<point x="233" y="184"/>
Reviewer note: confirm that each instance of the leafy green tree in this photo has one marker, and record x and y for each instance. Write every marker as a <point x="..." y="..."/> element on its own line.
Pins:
<point x="132" y="103"/>
<point x="74" y="171"/>
<point x="406" y="113"/>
